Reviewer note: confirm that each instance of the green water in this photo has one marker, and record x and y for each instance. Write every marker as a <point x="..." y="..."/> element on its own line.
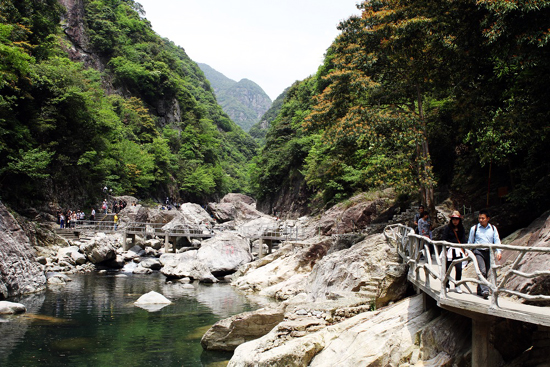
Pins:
<point x="92" y="321"/>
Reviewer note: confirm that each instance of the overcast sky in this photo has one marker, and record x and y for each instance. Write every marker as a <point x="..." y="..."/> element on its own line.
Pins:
<point x="273" y="43"/>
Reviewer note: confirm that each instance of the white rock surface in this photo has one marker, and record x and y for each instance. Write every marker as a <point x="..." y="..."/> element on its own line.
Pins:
<point x="8" y="308"/>
<point x="152" y="298"/>
<point x="225" y="252"/>
<point x="368" y="339"/>
<point x="186" y="265"/>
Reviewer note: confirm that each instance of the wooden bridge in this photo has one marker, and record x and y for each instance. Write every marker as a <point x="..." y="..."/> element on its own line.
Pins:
<point x="428" y="270"/>
<point x="265" y="233"/>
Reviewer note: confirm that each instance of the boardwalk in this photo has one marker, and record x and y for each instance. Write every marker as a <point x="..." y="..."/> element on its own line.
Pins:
<point x="265" y="233"/>
<point x="428" y="271"/>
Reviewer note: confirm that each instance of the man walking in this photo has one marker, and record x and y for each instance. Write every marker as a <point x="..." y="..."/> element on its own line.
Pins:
<point x="483" y="233"/>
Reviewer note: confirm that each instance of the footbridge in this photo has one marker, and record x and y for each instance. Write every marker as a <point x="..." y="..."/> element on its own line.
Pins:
<point x="428" y="271"/>
<point x="266" y="233"/>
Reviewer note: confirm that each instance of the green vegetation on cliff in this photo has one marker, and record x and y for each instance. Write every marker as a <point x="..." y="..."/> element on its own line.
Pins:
<point x="147" y="124"/>
<point x="418" y="94"/>
<point x="244" y="101"/>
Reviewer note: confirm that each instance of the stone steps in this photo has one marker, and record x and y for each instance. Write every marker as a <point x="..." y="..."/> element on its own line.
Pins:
<point x="67" y="233"/>
<point x="369" y="290"/>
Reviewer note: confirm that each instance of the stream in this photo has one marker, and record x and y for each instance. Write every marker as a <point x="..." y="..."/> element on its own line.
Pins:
<point x="92" y="321"/>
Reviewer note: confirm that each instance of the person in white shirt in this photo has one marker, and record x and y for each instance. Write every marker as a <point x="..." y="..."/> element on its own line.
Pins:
<point x="482" y="233"/>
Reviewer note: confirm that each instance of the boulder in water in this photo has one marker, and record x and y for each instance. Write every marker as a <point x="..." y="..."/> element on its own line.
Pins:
<point x="9" y="308"/>
<point x="152" y="298"/>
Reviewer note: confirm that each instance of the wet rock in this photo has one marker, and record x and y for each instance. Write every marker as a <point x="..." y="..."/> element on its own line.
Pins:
<point x="9" y="308"/>
<point x="141" y="270"/>
<point x="151" y="263"/>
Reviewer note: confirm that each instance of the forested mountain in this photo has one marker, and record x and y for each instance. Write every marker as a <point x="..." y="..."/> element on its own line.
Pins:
<point x="259" y="130"/>
<point x="91" y="96"/>
<point x="419" y="96"/>
<point x="244" y="101"/>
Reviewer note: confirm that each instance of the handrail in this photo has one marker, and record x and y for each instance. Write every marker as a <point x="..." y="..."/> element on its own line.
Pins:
<point x="412" y="246"/>
<point x="152" y="229"/>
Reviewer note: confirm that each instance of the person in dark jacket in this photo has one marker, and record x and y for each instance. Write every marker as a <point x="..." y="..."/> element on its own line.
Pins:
<point x="454" y="232"/>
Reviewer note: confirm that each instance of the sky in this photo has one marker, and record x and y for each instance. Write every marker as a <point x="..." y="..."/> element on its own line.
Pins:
<point x="273" y="43"/>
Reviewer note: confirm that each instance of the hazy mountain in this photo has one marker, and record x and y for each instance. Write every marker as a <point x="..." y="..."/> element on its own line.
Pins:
<point x="244" y="101"/>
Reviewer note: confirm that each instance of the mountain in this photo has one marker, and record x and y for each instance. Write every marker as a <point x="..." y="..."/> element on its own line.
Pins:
<point x="259" y="130"/>
<point x="91" y="96"/>
<point x="244" y="101"/>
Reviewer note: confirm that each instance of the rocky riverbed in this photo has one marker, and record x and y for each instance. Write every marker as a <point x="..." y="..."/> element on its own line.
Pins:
<point x="343" y="299"/>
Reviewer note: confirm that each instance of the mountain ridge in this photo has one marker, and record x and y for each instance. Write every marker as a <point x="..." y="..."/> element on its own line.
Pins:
<point x="244" y="101"/>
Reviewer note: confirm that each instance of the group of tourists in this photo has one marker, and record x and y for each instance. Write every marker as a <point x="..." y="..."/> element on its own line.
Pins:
<point x="115" y="206"/>
<point x="481" y="233"/>
<point x="70" y="218"/>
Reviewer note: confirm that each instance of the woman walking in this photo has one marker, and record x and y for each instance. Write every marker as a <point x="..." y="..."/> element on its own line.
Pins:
<point x="454" y="232"/>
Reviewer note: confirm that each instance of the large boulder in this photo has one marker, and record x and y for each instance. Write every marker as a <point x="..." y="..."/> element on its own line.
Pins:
<point x="347" y="218"/>
<point x="225" y="252"/>
<point x="237" y="198"/>
<point x="379" y="338"/>
<point x="186" y="265"/>
<point x="259" y="226"/>
<point x="234" y="211"/>
<point x="370" y="268"/>
<point x="229" y="333"/>
<point x="276" y="269"/>
<point x="20" y="273"/>
<point x="9" y="308"/>
<point x="535" y="235"/>
<point x="71" y="254"/>
<point x="100" y="248"/>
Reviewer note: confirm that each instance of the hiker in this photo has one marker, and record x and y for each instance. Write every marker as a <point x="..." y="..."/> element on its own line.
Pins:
<point x="417" y="217"/>
<point x="92" y="215"/>
<point x="483" y="233"/>
<point x="454" y="232"/>
<point x="424" y="225"/>
<point x="115" y="219"/>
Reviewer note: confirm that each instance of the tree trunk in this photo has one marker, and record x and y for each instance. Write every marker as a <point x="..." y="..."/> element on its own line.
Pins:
<point x="425" y="166"/>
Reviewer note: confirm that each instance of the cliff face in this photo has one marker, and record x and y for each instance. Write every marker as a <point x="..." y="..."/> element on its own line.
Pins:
<point x="19" y="272"/>
<point x="244" y="101"/>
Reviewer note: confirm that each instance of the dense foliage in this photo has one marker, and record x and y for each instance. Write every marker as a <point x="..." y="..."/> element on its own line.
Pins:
<point x="62" y="136"/>
<point x="244" y="101"/>
<point x="259" y="130"/>
<point x="415" y="94"/>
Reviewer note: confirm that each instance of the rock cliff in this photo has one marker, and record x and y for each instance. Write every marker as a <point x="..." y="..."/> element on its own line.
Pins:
<point x="19" y="271"/>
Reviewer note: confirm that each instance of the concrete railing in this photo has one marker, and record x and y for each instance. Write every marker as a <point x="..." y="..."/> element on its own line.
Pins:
<point x="428" y="256"/>
<point x="272" y="233"/>
<point x="157" y="229"/>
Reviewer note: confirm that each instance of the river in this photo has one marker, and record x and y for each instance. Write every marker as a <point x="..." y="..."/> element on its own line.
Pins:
<point x="92" y="321"/>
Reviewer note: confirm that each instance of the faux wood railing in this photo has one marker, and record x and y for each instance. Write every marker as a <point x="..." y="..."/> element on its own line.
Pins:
<point x="426" y="257"/>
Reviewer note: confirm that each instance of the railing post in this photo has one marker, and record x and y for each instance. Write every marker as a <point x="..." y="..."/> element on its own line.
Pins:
<point x="483" y="352"/>
<point x="261" y="248"/>
<point x="166" y="243"/>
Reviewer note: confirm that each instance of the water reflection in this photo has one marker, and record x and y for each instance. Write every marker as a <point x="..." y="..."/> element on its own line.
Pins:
<point x="92" y="321"/>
